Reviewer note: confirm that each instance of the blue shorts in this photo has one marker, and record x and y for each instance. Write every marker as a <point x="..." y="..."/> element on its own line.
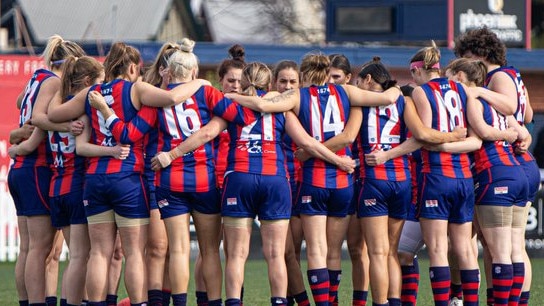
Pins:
<point x="532" y="172"/>
<point x="247" y="195"/>
<point x="355" y="199"/>
<point x="295" y="209"/>
<point x="173" y="203"/>
<point x="446" y="198"/>
<point x="29" y="188"/>
<point x="412" y="212"/>
<point x="149" y="176"/>
<point x="67" y="209"/>
<point x="501" y="186"/>
<point x="123" y="192"/>
<point x="331" y="202"/>
<point x="384" y="198"/>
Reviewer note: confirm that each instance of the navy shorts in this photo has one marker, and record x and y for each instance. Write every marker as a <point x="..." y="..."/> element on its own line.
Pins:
<point x="67" y="209"/>
<point x="446" y="198"/>
<point x="501" y="186"/>
<point x="123" y="192"/>
<point x="532" y="173"/>
<point x="29" y="188"/>
<point x="173" y="203"/>
<point x="247" y="195"/>
<point x="384" y="198"/>
<point x="331" y="202"/>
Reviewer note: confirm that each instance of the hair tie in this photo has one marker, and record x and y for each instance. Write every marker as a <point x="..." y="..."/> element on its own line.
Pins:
<point x="59" y="61"/>
<point x="421" y="64"/>
<point x="252" y="84"/>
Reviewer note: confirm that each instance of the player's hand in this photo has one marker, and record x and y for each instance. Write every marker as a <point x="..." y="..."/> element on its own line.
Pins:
<point x="97" y="101"/>
<point x="510" y="135"/>
<point x="460" y="132"/>
<point x="76" y="127"/>
<point x="27" y="129"/>
<point x="376" y="157"/>
<point x="346" y="164"/>
<point x="121" y="151"/>
<point x="161" y="160"/>
<point x="301" y="155"/>
<point x="12" y="151"/>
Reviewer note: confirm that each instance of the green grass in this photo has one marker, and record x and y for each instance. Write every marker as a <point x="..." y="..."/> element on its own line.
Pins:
<point x="257" y="292"/>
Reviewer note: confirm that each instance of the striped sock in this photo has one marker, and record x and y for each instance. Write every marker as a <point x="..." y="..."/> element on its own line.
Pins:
<point x="410" y="284"/>
<point x="502" y="283"/>
<point x="166" y="295"/>
<point x="456" y="290"/>
<point x="201" y="298"/>
<point x="490" y="299"/>
<point x="517" y="283"/>
<point x="524" y="298"/>
<point x="440" y="284"/>
<point x="359" y="298"/>
<point x="302" y="299"/>
<point x="470" y="280"/>
<point x="154" y="297"/>
<point x="179" y="299"/>
<point x="319" y="284"/>
<point x="334" y="282"/>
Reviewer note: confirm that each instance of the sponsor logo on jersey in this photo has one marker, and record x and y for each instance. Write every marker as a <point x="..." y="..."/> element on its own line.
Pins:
<point x="501" y="190"/>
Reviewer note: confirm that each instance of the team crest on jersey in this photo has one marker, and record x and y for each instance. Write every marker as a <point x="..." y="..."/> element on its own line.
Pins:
<point x="162" y="203"/>
<point x="498" y="270"/>
<point x="501" y="190"/>
<point x="232" y="201"/>
<point x="431" y="203"/>
<point x="313" y="279"/>
<point x="306" y="199"/>
<point x="370" y="202"/>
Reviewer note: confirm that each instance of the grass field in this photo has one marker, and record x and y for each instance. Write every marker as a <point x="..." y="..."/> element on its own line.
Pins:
<point x="257" y="293"/>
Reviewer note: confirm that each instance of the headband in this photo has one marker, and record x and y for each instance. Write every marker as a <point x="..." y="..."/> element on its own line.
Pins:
<point x="421" y="64"/>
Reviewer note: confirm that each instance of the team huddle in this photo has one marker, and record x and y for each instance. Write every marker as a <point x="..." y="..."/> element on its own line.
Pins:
<point x="119" y="159"/>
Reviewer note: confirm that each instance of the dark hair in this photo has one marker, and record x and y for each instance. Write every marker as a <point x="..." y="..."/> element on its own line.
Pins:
<point x="475" y="70"/>
<point x="481" y="42"/>
<point x="286" y="64"/>
<point x="378" y="73"/>
<point x="76" y="71"/>
<point x="429" y="56"/>
<point x="119" y="59"/>
<point x="237" y="61"/>
<point x="340" y="61"/>
<point x="407" y="90"/>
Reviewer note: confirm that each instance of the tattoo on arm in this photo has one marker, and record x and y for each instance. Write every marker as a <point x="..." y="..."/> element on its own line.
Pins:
<point x="284" y="96"/>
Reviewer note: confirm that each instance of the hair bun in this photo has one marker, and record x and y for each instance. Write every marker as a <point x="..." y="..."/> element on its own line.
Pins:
<point x="237" y="52"/>
<point x="187" y="45"/>
<point x="376" y="59"/>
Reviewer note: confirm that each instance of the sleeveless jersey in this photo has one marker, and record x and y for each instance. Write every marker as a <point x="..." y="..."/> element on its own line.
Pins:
<point x="384" y="129"/>
<point x="519" y="114"/>
<point x="324" y="111"/>
<point x="448" y="104"/>
<point x="42" y="155"/>
<point x="255" y="139"/>
<point x="494" y="153"/>
<point x="117" y="96"/>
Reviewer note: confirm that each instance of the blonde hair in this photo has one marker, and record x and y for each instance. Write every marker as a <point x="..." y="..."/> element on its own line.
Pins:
<point x="429" y="56"/>
<point x="182" y="62"/>
<point x="58" y="49"/>
<point x="315" y="68"/>
<point x="475" y="70"/>
<point x="255" y="76"/>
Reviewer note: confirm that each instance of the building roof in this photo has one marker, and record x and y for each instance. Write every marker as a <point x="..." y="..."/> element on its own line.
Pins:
<point x="88" y="20"/>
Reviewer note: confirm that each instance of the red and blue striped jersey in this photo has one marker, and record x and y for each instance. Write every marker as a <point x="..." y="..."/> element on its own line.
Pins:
<point x="494" y="153"/>
<point x="68" y="167"/>
<point x="384" y="129"/>
<point x="221" y="150"/>
<point x="324" y="111"/>
<point x="194" y="171"/>
<point x="255" y="139"/>
<point x="42" y="155"/>
<point x="117" y="96"/>
<point x="519" y="114"/>
<point x="293" y="164"/>
<point x="448" y="104"/>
